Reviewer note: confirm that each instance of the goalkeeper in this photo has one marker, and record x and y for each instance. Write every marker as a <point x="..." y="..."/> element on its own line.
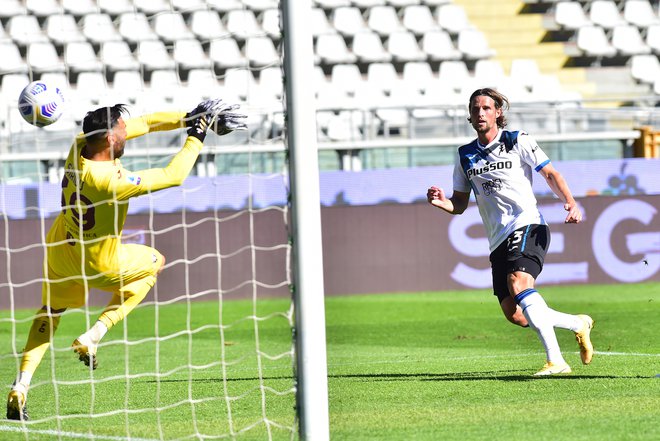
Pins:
<point x="84" y="248"/>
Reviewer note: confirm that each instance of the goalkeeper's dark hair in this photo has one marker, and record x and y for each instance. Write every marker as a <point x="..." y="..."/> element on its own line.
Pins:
<point x="501" y="102"/>
<point x="97" y="123"/>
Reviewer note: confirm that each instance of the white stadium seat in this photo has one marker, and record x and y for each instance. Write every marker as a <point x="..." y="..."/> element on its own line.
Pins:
<point x="79" y="56"/>
<point x="653" y="38"/>
<point x="241" y="82"/>
<point x="116" y="7"/>
<point x="80" y="8"/>
<point x="260" y="5"/>
<point x="153" y="55"/>
<point x="43" y="8"/>
<point x="189" y="54"/>
<point x="348" y="21"/>
<point x="332" y="4"/>
<point x="368" y="47"/>
<point x="640" y="13"/>
<point x="474" y="44"/>
<point x="605" y="13"/>
<point x="403" y="3"/>
<point x="242" y="24"/>
<point x="439" y="46"/>
<point x="419" y="19"/>
<point x="628" y="41"/>
<point x="152" y="7"/>
<point x="207" y="25"/>
<point x="11" y="8"/>
<point x="418" y="74"/>
<point x="270" y="23"/>
<point x="99" y="28"/>
<point x="320" y="24"/>
<point x="332" y="49"/>
<point x="225" y="53"/>
<point x="453" y="74"/>
<point x="452" y="18"/>
<point x="117" y="55"/>
<point x="134" y="27"/>
<point x="525" y="71"/>
<point x="25" y="29"/>
<point x="404" y="47"/>
<point x="12" y="61"/>
<point x="187" y="6"/>
<point x="170" y="27"/>
<point x="260" y="52"/>
<point x="593" y="41"/>
<point x="62" y="29"/>
<point x="127" y="85"/>
<point x="346" y="78"/>
<point x="368" y="4"/>
<point x="382" y="76"/>
<point x="645" y="68"/>
<point x="42" y="57"/>
<point x="489" y="73"/>
<point x="384" y="20"/>
<point x="270" y="78"/>
<point x="224" y="5"/>
<point x="570" y="15"/>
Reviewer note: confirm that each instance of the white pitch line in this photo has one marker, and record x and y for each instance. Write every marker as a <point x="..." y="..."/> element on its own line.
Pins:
<point x="632" y="354"/>
<point x="70" y="434"/>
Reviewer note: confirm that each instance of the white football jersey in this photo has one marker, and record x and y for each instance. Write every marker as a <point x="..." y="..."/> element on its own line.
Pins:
<point x="500" y="174"/>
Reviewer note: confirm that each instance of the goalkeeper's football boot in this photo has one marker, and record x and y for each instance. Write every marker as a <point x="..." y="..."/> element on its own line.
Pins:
<point x="86" y="350"/>
<point x="17" y="403"/>
<point x="583" y="339"/>
<point x="551" y="368"/>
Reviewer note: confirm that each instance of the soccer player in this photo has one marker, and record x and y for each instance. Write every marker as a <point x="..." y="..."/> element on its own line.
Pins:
<point x="497" y="167"/>
<point x="84" y="248"/>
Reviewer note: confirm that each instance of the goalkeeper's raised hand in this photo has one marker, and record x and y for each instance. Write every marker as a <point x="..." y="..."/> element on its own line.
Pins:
<point x="218" y="115"/>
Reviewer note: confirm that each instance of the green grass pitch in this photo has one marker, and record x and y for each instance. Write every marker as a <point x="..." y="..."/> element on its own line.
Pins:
<point x="423" y="366"/>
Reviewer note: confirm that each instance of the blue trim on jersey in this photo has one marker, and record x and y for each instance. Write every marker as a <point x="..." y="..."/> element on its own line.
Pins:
<point x="509" y="139"/>
<point x="521" y="295"/>
<point x="543" y="164"/>
<point x="522" y="247"/>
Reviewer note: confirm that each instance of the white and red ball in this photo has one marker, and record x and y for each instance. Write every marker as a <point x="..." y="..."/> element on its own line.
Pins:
<point x="41" y="103"/>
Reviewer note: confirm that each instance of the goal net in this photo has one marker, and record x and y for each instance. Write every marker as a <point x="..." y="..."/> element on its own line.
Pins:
<point x="208" y="354"/>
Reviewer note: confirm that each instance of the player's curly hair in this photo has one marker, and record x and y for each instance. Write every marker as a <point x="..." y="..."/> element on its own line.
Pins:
<point x="97" y="123"/>
<point x="501" y="102"/>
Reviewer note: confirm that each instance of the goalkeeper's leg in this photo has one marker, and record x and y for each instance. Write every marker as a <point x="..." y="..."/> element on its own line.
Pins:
<point x="43" y="328"/>
<point x="123" y="301"/>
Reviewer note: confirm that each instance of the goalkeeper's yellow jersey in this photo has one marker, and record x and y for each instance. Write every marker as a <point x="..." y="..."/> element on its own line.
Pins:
<point x="85" y="237"/>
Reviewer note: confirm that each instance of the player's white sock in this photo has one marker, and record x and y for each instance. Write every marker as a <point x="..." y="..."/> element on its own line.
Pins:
<point x="97" y="332"/>
<point x="24" y="378"/>
<point x="566" y="321"/>
<point x="538" y="316"/>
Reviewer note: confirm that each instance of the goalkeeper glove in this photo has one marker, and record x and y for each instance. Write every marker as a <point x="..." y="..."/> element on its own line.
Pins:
<point x="214" y="113"/>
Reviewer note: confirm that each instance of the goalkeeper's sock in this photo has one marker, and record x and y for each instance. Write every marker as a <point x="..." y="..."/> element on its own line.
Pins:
<point x="538" y="315"/>
<point x="24" y="377"/>
<point x="97" y="332"/>
<point x="38" y="340"/>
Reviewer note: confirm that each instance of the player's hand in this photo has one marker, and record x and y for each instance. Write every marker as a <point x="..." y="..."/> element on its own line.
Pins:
<point x="226" y="120"/>
<point x="436" y="196"/>
<point x="574" y="213"/>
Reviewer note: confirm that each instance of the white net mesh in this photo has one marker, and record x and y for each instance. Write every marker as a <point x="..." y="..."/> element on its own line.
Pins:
<point x="208" y="353"/>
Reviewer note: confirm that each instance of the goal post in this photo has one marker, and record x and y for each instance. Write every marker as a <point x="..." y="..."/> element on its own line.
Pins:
<point x="308" y="293"/>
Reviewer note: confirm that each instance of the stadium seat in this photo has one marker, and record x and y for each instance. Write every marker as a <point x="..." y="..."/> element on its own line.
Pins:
<point x="152" y="7"/>
<point x="434" y="3"/>
<point x="12" y="61"/>
<point x="403" y="3"/>
<point x="368" y="4"/>
<point x="452" y="18"/>
<point x="640" y="13"/>
<point x="42" y="57"/>
<point x="653" y="38"/>
<point x="628" y="41"/>
<point x="384" y="20"/>
<point x="25" y="29"/>
<point x="62" y="29"/>
<point x="525" y="71"/>
<point x="320" y="81"/>
<point x="547" y="88"/>
<point x="344" y="126"/>
<point x="153" y="55"/>
<point x="260" y="5"/>
<point x="332" y="49"/>
<point x="134" y="27"/>
<point x="382" y="76"/>
<point x="207" y="25"/>
<point x="605" y="13"/>
<point x="241" y="82"/>
<point x="439" y="47"/>
<point x="170" y="27"/>
<point x="270" y="23"/>
<point x="348" y="21"/>
<point x="570" y="15"/>
<point x="260" y="52"/>
<point x="187" y="6"/>
<point x="403" y="47"/>
<point x="645" y="68"/>
<point x="369" y="49"/>
<point x="225" y="53"/>
<point x="320" y="23"/>
<point x="419" y="20"/>
<point x="127" y="86"/>
<point x="346" y="78"/>
<point x="656" y="87"/>
<point x="98" y="28"/>
<point x="115" y="8"/>
<point x="453" y="74"/>
<point x="80" y="8"/>
<point x="42" y="8"/>
<point x="12" y="85"/>
<point x="164" y="80"/>
<point x="488" y="73"/>
<point x="332" y="4"/>
<point x="418" y="74"/>
<point x="242" y="24"/>
<point x="270" y="79"/>
<point x="189" y="54"/>
<point x="474" y="45"/>
<point x="593" y="42"/>
<point x="12" y="8"/>
<point x="92" y="85"/>
<point x="79" y="56"/>
<point x="117" y="55"/>
<point x="224" y="5"/>
<point x="204" y="84"/>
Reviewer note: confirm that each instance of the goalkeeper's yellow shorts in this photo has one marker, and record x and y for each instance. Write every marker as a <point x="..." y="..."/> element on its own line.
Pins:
<point x="66" y="287"/>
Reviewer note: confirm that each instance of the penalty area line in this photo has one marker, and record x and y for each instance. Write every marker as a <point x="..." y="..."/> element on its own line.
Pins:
<point x="57" y="433"/>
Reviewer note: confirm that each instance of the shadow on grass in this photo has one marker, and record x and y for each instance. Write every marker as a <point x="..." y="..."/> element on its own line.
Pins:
<point x="502" y="375"/>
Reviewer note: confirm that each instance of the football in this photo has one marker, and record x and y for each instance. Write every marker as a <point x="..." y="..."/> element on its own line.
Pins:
<point x="41" y="104"/>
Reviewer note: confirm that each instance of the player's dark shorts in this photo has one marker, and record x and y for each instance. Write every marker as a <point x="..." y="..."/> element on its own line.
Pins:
<point x="524" y="250"/>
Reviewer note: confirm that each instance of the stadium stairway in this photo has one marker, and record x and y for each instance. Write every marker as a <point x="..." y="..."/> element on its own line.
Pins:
<point x="514" y="34"/>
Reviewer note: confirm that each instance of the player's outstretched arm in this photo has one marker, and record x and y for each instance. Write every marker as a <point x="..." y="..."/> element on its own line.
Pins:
<point x="456" y="204"/>
<point x="558" y="185"/>
<point x="154" y="122"/>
